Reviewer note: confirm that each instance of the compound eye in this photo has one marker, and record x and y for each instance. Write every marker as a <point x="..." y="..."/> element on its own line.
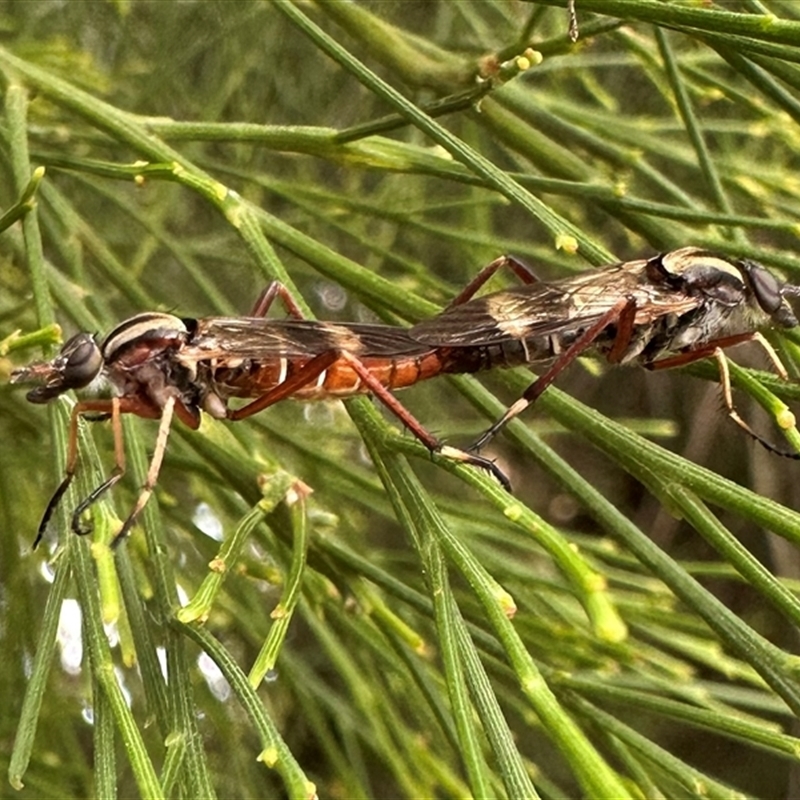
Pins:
<point x="766" y="288"/>
<point x="77" y="364"/>
<point x="81" y="361"/>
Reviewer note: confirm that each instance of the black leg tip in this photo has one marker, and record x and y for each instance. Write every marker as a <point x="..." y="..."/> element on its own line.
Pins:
<point x="81" y="528"/>
<point x="501" y="477"/>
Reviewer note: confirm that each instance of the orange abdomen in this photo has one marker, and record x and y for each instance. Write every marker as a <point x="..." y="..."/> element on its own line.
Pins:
<point x="255" y="378"/>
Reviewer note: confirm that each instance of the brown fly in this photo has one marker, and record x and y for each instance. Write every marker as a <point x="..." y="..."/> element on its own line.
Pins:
<point x="660" y="312"/>
<point x="158" y="365"/>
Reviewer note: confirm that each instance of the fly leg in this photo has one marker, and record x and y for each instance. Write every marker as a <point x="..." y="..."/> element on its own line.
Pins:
<point x="152" y="474"/>
<point x="116" y="473"/>
<point x="519" y="268"/>
<point x="267" y="297"/>
<point x="727" y="396"/>
<point x="69" y="474"/>
<point x="621" y="314"/>
<point x="310" y="371"/>
<point x="707" y="350"/>
<point x="315" y="370"/>
<point x="416" y="427"/>
<point x="715" y="349"/>
<point x="111" y="407"/>
<point x="114" y="408"/>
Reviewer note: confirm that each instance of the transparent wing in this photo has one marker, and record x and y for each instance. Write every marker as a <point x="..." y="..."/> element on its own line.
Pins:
<point x="543" y="309"/>
<point x="257" y="338"/>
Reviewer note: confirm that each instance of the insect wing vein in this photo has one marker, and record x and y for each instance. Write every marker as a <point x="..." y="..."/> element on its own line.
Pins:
<point x="256" y="338"/>
<point x="544" y="309"/>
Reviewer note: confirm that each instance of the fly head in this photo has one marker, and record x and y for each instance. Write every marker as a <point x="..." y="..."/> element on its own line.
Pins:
<point x="770" y="294"/>
<point x="77" y="364"/>
<point x="726" y="282"/>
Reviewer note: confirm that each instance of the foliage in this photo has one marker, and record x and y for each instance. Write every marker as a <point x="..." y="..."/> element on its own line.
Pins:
<point x="361" y="640"/>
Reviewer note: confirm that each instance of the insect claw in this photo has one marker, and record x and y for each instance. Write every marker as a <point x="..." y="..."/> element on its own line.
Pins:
<point x="80" y="527"/>
<point x="766" y="444"/>
<point x="498" y="473"/>
<point x="491" y="467"/>
<point x="777" y="451"/>
<point x="38" y="539"/>
<point x="480" y="462"/>
<point x="488" y="435"/>
<point x="51" y="507"/>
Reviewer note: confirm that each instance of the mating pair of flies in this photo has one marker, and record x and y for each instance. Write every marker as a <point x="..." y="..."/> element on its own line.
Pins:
<point x="660" y="312"/>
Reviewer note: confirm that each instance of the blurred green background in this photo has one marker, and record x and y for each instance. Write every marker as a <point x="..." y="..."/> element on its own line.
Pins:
<point x="196" y="151"/>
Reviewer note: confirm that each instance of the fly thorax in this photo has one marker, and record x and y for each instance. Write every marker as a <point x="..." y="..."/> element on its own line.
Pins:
<point x="710" y="321"/>
<point x="153" y="378"/>
<point x="142" y="358"/>
<point x="738" y="295"/>
<point x="139" y="337"/>
<point x="713" y="321"/>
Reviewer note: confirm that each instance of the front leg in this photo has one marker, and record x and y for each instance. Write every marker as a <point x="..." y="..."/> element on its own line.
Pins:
<point x="103" y="407"/>
<point x="716" y="350"/>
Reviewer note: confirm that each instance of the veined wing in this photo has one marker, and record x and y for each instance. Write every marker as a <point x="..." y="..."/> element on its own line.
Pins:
<point x="258" y="338"/>
<point x="542" y="309"/>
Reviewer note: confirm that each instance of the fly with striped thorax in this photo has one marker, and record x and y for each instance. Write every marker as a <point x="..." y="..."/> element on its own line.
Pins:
<point x="661" y="312"/>
<point x="664" y="311"/>
<point x="161" y="366"/>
